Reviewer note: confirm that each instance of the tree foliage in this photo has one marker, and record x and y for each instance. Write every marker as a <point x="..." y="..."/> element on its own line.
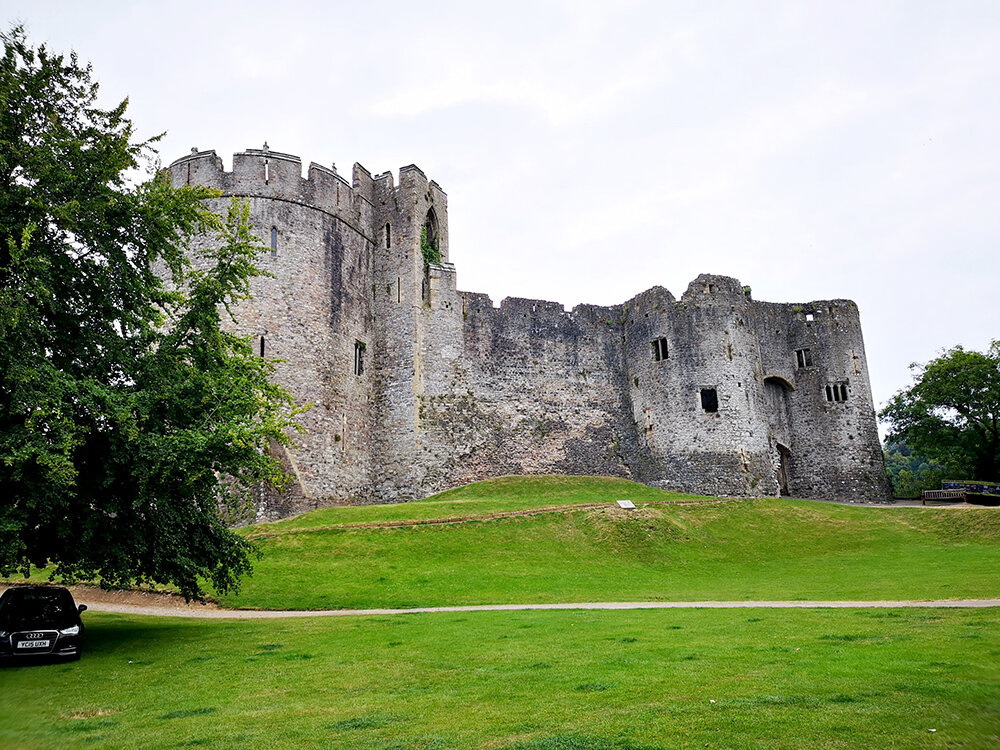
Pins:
<point x="950" y="415"/>
<point x="129" y="416"/>
<point x="911" y="474"/>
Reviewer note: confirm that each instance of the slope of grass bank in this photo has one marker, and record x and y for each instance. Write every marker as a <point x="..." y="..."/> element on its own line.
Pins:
<point x="742" y="549"/>
<point x="481" y="498"/>
<point x="644" y="680"/>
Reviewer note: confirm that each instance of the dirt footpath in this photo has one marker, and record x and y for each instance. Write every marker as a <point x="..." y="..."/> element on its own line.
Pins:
<point x="99" y="600"/>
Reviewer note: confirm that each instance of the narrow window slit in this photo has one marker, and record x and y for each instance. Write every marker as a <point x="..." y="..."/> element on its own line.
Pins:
<point x="659" y="349"/>
<point x="359" y="357"/>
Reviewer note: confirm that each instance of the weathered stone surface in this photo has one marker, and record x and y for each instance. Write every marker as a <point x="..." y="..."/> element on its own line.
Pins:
<point x="706" y="394"/>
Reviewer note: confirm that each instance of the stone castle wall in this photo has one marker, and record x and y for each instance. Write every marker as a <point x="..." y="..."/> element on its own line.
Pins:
<point x="712" y="393"/>
<point x="310" y="314"/>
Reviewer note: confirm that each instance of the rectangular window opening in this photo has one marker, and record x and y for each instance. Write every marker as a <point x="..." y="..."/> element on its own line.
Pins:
<point x="359" y="357"/>
<point x="810" y="317"/>
<point x="261" y="346"/>
<point x="659" y="349"/>
<point x="803" y="358"/>
<point x="709" y="400"/>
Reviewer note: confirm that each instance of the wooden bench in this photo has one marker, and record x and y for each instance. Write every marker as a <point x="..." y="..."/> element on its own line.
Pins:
<point x="942" y="496"/>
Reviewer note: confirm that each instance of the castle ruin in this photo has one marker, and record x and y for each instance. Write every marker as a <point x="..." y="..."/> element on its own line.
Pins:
<point x="417" y="387"/>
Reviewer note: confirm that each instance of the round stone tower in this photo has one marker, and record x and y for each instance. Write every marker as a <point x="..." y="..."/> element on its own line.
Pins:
<point x="313" y="314"/>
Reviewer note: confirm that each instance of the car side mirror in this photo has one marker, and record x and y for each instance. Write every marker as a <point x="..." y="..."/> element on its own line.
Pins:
<point x="82" y="608"/>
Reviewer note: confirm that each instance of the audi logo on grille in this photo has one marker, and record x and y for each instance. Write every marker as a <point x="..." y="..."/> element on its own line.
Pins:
<point x="29" y="636"/>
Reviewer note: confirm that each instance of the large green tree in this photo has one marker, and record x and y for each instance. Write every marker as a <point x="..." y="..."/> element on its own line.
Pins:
<point x="951" y="415"/>
<point x="131" y="422"/>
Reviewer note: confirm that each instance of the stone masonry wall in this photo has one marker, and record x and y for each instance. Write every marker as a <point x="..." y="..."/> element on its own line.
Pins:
<point x="524" y="389"/>
<point x="710" y="346"/>
<point x="308" y="314"/>
<point x="836" y="452"/>
<point x="712" y="393"/>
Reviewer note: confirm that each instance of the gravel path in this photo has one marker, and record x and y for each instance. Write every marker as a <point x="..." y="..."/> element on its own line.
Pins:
<point x="248" y="614"/>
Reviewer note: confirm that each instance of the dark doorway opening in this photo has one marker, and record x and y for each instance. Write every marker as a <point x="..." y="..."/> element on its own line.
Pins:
<point x="784" y="465"/>
<point x="709" y="400"/>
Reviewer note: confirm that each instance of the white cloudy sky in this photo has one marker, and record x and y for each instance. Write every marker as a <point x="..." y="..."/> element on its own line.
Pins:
<point x="590" y="150"/>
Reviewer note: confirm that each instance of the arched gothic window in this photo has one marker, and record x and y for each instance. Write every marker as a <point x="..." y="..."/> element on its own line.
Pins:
<point x="431" y="228"/>
<point x="430" y="243"/>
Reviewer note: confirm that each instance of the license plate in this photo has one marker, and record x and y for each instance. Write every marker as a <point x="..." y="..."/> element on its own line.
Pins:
<point x="33" y="644"/>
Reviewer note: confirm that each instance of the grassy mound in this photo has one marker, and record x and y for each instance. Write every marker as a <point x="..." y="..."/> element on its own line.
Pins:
<point x="506" y="494"/>
<point x="742" y="549"/>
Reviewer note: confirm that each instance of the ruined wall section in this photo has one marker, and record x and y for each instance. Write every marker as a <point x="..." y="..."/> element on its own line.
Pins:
<point x="695" y="390"/>
<point x="310" y="314"/>
<point x="401" y="290"/>
<point x="818" y="349"/>
<point x="467" y="391"/>
<point x="526" y="388"/>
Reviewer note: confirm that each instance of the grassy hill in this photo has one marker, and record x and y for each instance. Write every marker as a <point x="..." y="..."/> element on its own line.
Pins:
<point x="741" y="549"/>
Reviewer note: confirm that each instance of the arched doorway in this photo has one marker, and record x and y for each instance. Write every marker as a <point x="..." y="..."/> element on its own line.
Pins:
<point x="777" y="391"/>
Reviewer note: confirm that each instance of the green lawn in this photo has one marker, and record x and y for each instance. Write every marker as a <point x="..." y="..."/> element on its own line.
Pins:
<point x="742" y="549"/>
<point x="625" y="680"/>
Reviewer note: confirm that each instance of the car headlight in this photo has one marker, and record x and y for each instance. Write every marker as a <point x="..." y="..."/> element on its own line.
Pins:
<point x="71" y="630"/>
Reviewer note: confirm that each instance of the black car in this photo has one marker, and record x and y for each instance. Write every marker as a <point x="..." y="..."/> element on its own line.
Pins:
<point x="39" y="621"/>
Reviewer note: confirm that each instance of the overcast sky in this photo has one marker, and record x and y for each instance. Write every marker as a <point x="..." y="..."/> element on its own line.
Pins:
<point x="591" y="150"/>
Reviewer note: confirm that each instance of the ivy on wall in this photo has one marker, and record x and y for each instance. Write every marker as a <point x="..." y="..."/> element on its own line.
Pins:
<point x="430" y="248"/>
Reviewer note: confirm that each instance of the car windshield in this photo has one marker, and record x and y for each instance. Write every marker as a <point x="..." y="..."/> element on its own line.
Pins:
<point x="23" y="608"/>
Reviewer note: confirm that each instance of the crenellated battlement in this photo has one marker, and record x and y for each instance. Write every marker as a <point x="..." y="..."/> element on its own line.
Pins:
<point x="263" y="173"/>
